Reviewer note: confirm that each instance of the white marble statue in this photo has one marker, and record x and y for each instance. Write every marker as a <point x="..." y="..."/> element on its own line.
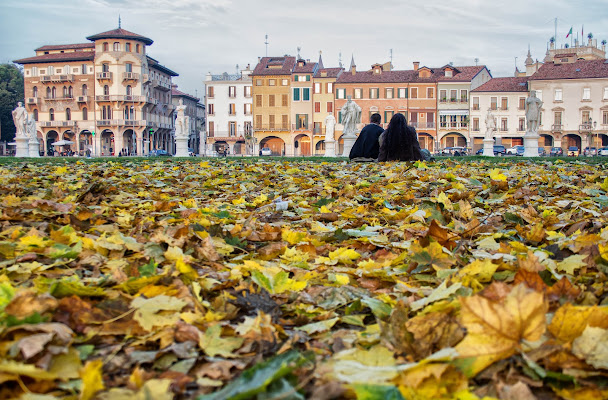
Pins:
<point x="330" y="126"/>
<point x="490" y="124"/>
<point x="20" y="120"/>
<point x="351" y="115"/>
<point x="31" y="127"/>
<point x="181" y="126"/>
<point x="533" y="107"/>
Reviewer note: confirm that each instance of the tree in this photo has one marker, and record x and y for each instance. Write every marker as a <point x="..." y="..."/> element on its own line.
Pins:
<point x="11" y="92"/>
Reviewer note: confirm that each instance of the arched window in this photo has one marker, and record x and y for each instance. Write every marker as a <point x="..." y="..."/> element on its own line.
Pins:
<point x="65" y="92"/>
<point x="84" y="90"/>
<point x="129" y="92"/>
<point x="48" y="92"/>
<point x="116" y="46"/>
<point x="85" y="114"/>
<point x="83" y="68"/>
<point x="35" y="91"/>
<point x="68" y="114"/>
<point x="128" y="47"/>
<point x="105" y="46"/>
<point x="53" y="92"/>
<point x="35" y="114"/>
<point x="67" y="69"/>
<point x="105" y="67"/>
<point x="51" y="70"/>
<point x="137" y="48"/>
<point x="106" y="90"/>
<point x="52" y="114"/>
<point x="70" y="92"/>
<point x="34" y="71"/>
<point x="129" y="67"/>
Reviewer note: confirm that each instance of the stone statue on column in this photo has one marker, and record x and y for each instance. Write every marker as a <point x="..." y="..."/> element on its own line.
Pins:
<point x="21" y="136"/>
<point x="32" y="134"/>
<point x="330" y="143"/>
<point x="488" y="140"/>
<point x="533" y="108"/>
<point x="182" y="130"/>
<point x="351" y="116"/>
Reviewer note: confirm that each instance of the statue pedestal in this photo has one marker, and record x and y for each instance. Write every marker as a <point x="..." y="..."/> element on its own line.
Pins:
<point x="488" y="147"/>
<point x="531" y="144"/>
<point x="34" y="148"/>
<point x="23" y="148"/>
<point x="330" y="148"/>
<point x="349" y="141"/>
<point x="181" y="146"/>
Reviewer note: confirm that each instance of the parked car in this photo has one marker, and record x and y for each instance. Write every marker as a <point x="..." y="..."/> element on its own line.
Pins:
<point x="556" y="152"/>
<point x="191" y="152"/>
<point x="454" y="151"/>
<point x="590" y="151"/>
<point x="542" y="152"/>
<point x="499" y="150"/>
<point x="266" y="151"/>
<point x="513" y="151"/>
<point x="573" y="151"/>
<point x="159" y="153"/>
<point x="603" y="151"/>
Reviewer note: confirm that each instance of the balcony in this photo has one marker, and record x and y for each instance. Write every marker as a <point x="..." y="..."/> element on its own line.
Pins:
<point x="585" y="127"/>
<point x="57" y="78"/>
<point x="65" y="98"/>
<point x="121" y="98"/>
<point x="103" y="97"/>
<point x="57" y="124"/>
<point x="423" y="125"/>
<point x="33" y="100"/>
<point x="161" y="85"/>
<point x="453" y="125"/>
<point x="82" y="99"/>
<point x="121" y="122"/>
<point x="104" y="75"/>
<point x="299" y="127"/>
<point x="145" y="78"/>
<point x="557" y="128"/>
<point x="271" y="127"/>
<point x="130" y="76"/>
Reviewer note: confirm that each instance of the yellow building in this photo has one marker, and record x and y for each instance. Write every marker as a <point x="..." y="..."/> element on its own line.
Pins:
<point x="323" y="96"/>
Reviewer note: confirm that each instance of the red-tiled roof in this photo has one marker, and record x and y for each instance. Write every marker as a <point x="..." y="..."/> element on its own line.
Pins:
<point x="331" y="72"/>
<point x="514" y="84"/>
<point x="461" y="74"/>
<point x="308" y="67"/>
<point x="576" y="70"/>
<point x="120" y="33"/>
<point x="73" y="56"/>
<point x="279" y="66"/>
<point x="371" y="77"/>
<point x="50" y="47"/>
<point x="178" y="93"/>
<point x="155" y="64"/>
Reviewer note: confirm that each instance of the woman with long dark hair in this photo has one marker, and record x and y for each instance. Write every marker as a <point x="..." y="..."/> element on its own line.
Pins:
<point x="399" y="141"/>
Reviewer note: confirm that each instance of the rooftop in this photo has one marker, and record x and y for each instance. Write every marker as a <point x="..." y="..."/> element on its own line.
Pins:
<point x="58" y="57"/>
<point x="120" y="33"/>
<point x="178" y="93"/>
<point x="74" y="46"/>
<point x="155" y="64"/>
<point x="576" y="70"/>
<point x="275" y="66"/>
<point x="512" y="84"/>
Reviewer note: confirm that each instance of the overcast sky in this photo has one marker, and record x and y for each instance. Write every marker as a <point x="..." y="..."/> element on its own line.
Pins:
<point x="193" y="37"/>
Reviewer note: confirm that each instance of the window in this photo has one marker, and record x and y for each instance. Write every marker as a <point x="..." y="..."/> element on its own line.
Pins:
<point x="35" y="114"/>
<point x="605" y="118"/>
<point x="258" y="121"/>
<point x="586" y="94"/>
<point x="85" y="90"/>
<point x="558" y="95"/>
<point x="443" y="121"/>
<point x="388" y="115"/>
<point x="503" y="124"/>
<point x="475" y="103"/>
<point x="232" y="91"/>
<point x="284" y="121"/>
<point x="66" y="69"/>
<point x="129" y="92"/>
<point x="105" y="67"/>
<point x="605" y="89"/>
<point x="54" y="93"/>
<point x="586" y="117"/>
<point x="302" y="121"/>
<point x="443" y="95"/>
<point x="272" y="82"/>
<point x="211" y="129"/>
<point x="106" y="90"/>
<point x="522" y="103"/>
<point x="258" y="100"/>
<point x="373" y="93"/>
<point x="85" y="114"/>
<point x="271" y="100"/>
<point x="329" y="87"/>
<point x="106" y="112"/>
<point x="259" y="82"/>
<point x="271" y="121"/>
<point x="476" y="124"/>
<point x="414" y="93"/>
<point x="317" y="106"/>
<point x="430" y="93"/>
<point x="341" y="93"/>
<point x="35" y="91"/>
<point x="65" y="92"/>
<point x="317" y="87"/>
<point x="285" y="100"/>
<point x="232" y="128"/>
<point x="129" y="67"/>
<point x="464" y="96"/>
<point x="504" y="103"/>
<point x="358" y="93"/>
<point x="285" y="82"/>
<point x="104" y="47"/>
<point x="557" y="118"/>
<point x="493" y="103"/>
<point x="116" y="46"/>
<point x="247" y="109"/>
<point x="402" y="93"/>
<point x="306" y="93"/>
<point x="137" y="48"/>
<point x="389" y="93"/>
<point x="453" y="96"/>
<point x="211" y="109"/>
<point x="52" y="114"/>
<point x="210" y="91"/>
<point x="522" y="125"/>
<point x="539" y="94"/>
<point x="35" y="73"/>
<point x="128" y="47"/>
<point x="247" y="91"/>
<point x="296" y="94"/>
<point x="51" y="70"/>
<point x="48" y="92"/>
<point x="330" y="107"/>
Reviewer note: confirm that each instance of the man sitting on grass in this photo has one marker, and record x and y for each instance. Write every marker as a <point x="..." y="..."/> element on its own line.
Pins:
<point x="367" y="147"/>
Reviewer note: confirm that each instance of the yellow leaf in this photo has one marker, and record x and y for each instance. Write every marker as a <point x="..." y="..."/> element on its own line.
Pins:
<point x="174" y="253"/>
<point x="92" y="381"/>
<point x="344" y="255"/>
<point x="238" y="201"/>
<point x="61" y="170"/>
<point x="292" y="237"/>
<point x="148" y="313"/>
<point x="32" y="240"/>
<point x="475" y="272"/>
<point x="376" y="365"/>
<point x="341" y="279"/>
<point x="431" y="381"/>
<point x="495" y="329"/>
<point x="185" y="269"/>
<point x="592" y="346"/>
<point x="214" y="345"/>
<point x="572" y="263"/>
<point x="496" y="175"/>
<point x="443" y="199"/>
<point x="570" y="321"/>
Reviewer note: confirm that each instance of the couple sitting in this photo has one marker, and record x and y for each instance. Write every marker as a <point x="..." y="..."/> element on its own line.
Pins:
<point x="399" y="142"/>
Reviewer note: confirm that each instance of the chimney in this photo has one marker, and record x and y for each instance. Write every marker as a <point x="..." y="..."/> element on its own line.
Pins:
<point x="416" y="65"/>
<point x="259" y="59"/>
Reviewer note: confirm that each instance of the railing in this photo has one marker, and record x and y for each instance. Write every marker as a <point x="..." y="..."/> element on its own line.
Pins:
<point x="170" y="106"/>
<point x="125" y="98"/>
<point x="423" y="125"/>
<point x="83" y="99"/>
<point x="275" y="127"/>
<point x="152" y="100"/>
<point x="130" y="76"/>
<point x="475" y="129"/>
<point x="504" y="129"/>
<point x="227" y="136"/>
<point x="33" y="100"/>
<point x="299" y="127"/>
<point x="57" y="78"/>
<point x="166" y="86"/>
<point x="476" y="107"/>
<point x="453" y="125"/>
<point x="121" y="122"/>
<point x="145" y="78"/>
<point x="57" y="124"/>
<point x="102" y="97"/>
<point x="585" y="127"/>
<point x="557" y="127"/>
<point x="50" y="98"/>
<point x="104" y="75"/>
<point x="318" y="131"/>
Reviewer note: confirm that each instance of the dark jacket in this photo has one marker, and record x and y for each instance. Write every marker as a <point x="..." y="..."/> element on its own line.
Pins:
<point x="367" y="145"/>
<point x="407" y="150"/>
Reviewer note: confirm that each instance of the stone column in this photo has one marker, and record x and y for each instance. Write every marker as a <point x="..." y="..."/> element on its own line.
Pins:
<point x="330" y="148"/>
<point x="488" y="147"/>
<point x="22" y="150"/>
<point x="349" y="140"/>
<point x="34" y="148"/>
<point x="531" y="144"/>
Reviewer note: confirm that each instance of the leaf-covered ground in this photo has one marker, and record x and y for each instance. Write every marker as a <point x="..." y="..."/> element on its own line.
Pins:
<point x="298" y="279"/>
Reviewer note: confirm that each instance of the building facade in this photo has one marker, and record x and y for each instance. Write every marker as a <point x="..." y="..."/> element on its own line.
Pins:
<point x="191" y="103"/>
<point x="229" y="112"/>
<point x="324" y="83"/>
<point x="106" y="97"/>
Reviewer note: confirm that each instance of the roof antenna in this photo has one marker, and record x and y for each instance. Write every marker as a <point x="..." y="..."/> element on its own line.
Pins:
<point x="118" y="21"/>
<point x="476" y="61"/>
<point x="340" y="59"/>
<point x="391" y="52"/>
<point x="299" y="48"/>
<point x="266" y="43"/>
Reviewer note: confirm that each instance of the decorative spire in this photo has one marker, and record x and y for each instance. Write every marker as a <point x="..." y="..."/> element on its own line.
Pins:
<point x="320" y="60"/>
<point x="119" y="21"/>
<point x="529" y="60"/>
<point x="352" y="62"/>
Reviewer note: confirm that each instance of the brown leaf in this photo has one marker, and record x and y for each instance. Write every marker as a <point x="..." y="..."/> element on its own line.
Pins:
<point x="530" y="279"/>
<point x="272" y="250"/>
<point x="530" y="263"/>
<point x="28" y="303"/>
<point x="496" y="291"/>
<point x="433" y="332"/>
<point x="327" y="217"/>
<point x="441" y="235"/>
<point x="563" y="288"/>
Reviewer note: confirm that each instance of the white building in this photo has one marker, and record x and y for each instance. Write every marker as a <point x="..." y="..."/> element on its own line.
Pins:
<point x="229" y="111"/>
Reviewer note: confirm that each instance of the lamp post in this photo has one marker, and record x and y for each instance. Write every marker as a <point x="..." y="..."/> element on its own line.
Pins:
<point x="597" y="146"/>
